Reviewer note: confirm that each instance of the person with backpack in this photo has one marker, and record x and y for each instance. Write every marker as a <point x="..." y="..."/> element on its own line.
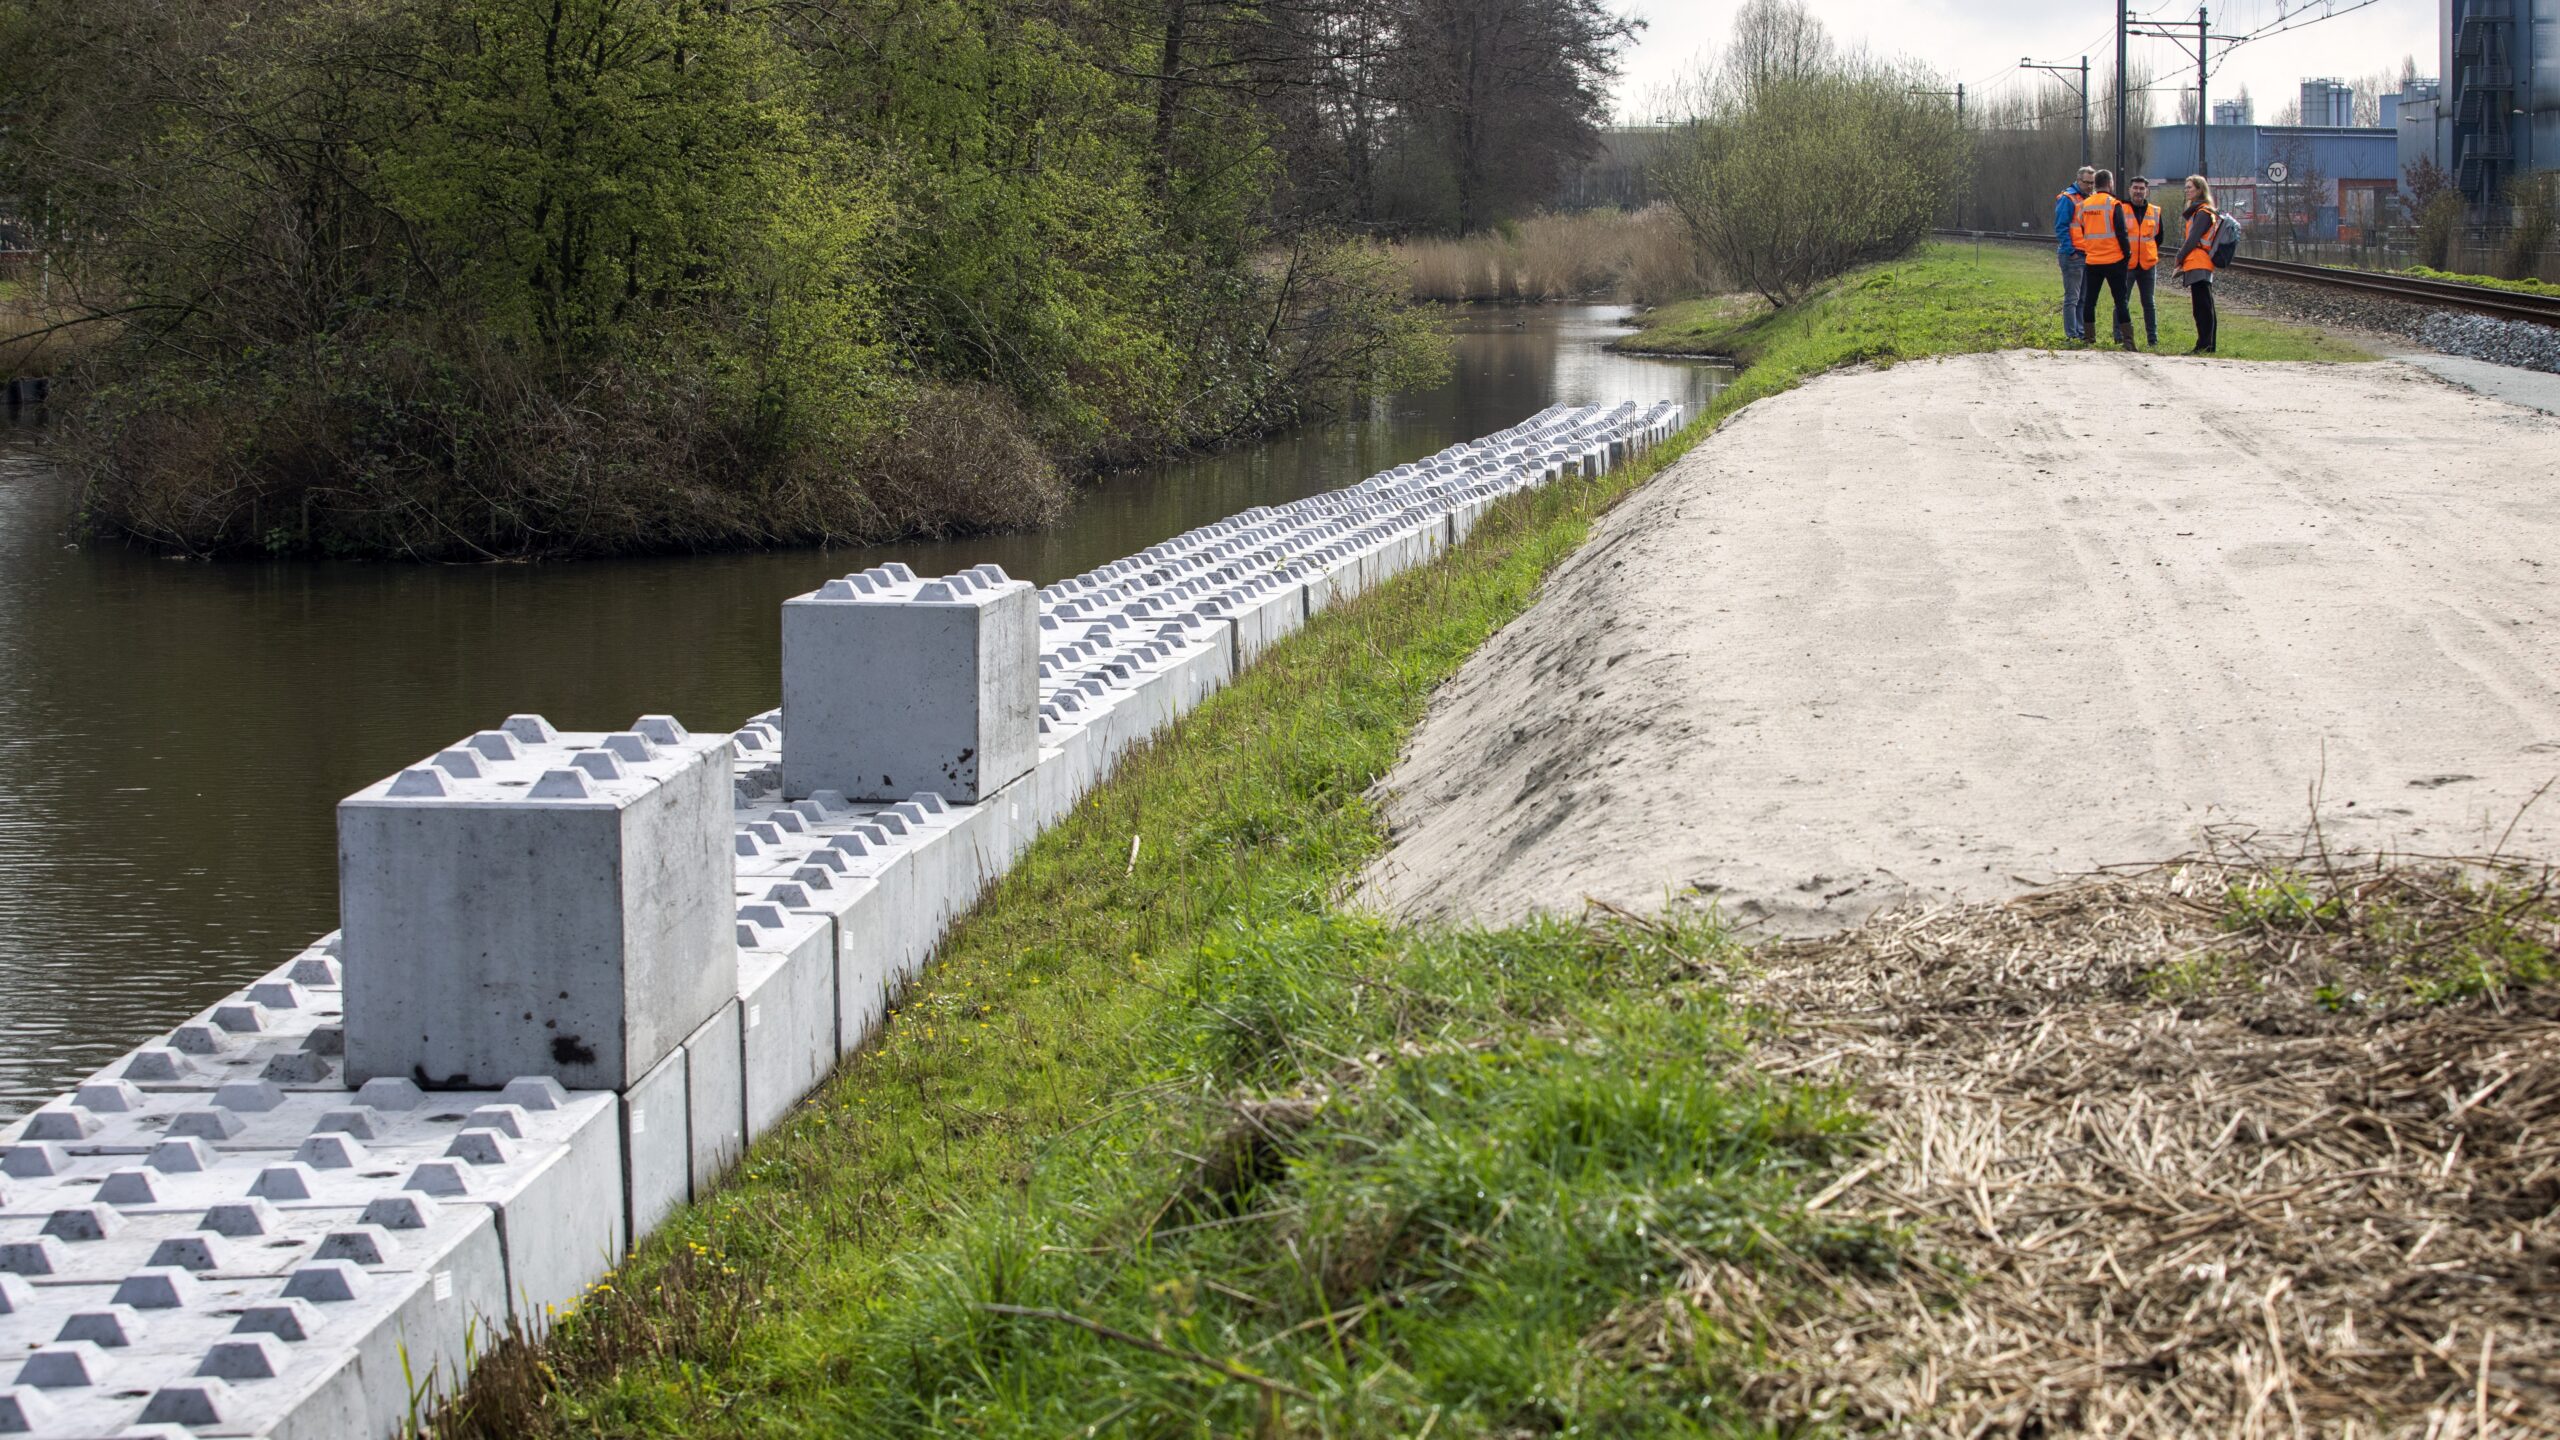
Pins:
<point x="2197" y="262"/>
<point x="2066" y="245"/>
<point x="2106" y="244"/>
<point x="2142" y="222"/>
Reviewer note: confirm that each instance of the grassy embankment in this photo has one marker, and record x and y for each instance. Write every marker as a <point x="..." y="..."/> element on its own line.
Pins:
<point x="1168" y="1143"/>
<point x="1947" y="300"/>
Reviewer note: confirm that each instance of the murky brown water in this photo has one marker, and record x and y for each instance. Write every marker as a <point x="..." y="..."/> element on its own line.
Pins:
<point x="174" y="737"/>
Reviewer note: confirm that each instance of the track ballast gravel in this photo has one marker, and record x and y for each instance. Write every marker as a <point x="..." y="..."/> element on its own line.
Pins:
<point x="2453" y="332"/>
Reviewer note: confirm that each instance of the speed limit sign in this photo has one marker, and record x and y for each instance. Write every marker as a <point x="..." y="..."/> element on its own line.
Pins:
<point x="2277" y="172"/>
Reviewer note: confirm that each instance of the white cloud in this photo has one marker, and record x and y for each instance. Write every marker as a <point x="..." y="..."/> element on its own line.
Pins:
<point x="1979" y="43"/>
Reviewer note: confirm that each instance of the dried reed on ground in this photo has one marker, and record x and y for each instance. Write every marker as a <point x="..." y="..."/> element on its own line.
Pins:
<point x="2223" y="1147"/>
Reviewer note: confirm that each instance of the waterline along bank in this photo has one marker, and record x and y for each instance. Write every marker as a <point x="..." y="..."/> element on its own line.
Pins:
<point x="157" y="818"/>
<point x="333" y="1185"/>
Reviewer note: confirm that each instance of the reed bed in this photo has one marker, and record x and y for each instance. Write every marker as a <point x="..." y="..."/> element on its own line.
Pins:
<point x="1643" y="257"/>
<point x="2229" y="1146"/>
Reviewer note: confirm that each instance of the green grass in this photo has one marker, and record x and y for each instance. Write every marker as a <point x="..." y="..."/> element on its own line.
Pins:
<point x="1946" y="300"/>
<point x="2529" y="287"/>
<point x="2416" y="936"/>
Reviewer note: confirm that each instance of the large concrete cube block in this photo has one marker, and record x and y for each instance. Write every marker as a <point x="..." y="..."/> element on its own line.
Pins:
<point x="531" y="903"/>
<point x="893" y="686"/>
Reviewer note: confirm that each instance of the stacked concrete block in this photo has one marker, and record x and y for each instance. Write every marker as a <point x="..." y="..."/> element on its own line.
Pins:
<point x="532" y="903"/>
<point x="279" y="1217"/>
<point x="656" y="1118"/>
<point x="893" y="685"/>
<point x="787" y="1007"/>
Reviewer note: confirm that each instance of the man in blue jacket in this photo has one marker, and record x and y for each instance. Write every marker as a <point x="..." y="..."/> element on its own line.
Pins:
<point x="2075" y="268"/>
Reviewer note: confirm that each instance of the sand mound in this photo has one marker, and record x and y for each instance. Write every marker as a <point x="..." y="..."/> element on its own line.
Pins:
<point x="1949" y="630"/>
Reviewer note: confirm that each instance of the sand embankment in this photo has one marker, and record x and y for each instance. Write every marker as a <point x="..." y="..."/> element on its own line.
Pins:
<point x="1955" y="628"/>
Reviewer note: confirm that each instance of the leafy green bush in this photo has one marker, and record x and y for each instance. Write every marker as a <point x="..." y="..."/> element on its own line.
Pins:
<point x="1804" y="162"/>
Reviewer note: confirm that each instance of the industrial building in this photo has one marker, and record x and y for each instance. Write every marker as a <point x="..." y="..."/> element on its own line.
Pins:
<point x="2324" y="182"/>
<point x="2496" y="113"/>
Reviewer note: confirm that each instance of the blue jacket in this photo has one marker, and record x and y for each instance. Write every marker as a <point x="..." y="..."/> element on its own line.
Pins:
<point x="2066" y="206"/>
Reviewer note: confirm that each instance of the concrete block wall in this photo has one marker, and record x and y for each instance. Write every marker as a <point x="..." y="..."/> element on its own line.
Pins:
<point x="293" y="1214"/>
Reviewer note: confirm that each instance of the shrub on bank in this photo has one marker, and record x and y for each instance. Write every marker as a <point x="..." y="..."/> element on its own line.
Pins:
<point x="1804" y="162"/>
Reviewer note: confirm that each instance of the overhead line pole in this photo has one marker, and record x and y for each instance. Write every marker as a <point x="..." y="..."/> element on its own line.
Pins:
<point x="2124" y="93"/>
<point x="2065" y="70"/>
<point x="2204" y="38"/>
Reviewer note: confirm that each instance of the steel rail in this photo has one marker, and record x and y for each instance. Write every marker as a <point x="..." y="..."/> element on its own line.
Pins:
<point x="2448" y="294"/>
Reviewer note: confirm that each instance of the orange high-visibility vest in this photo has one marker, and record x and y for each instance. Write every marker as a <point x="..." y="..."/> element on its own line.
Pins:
<point x="2144" y="224"/>
<point x="2094" y="232"/>
<point x="2202" y="258"/>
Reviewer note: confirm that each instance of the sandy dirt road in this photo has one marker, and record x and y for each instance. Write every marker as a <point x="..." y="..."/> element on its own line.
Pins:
<point x="1955" y="628"/>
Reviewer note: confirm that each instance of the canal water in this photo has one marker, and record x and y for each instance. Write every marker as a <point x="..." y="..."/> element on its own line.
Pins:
<point x="174" y="736"/>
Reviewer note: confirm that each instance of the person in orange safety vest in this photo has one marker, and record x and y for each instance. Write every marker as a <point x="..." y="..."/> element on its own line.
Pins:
<point x="2105" y="241"/>
<point x="2195" y="262"/>
<point x="2142" y="227"/>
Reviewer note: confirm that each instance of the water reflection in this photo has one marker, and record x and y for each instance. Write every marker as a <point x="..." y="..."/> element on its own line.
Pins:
<point x="174" y="737"/>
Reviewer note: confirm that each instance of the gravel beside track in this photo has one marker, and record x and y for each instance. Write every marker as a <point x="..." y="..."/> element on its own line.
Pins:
<point x="2478" y="337"/>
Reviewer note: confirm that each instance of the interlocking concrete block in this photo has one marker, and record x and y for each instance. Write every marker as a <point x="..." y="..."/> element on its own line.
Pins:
<point x="787" y="1008"/>
<point x="891" y="685"/>
<point x="562" y="1215"/>
<point x="1260" y="615"/>
<point x="555" y="905"/>
<point x="657" y="1145"/>
<point x="715" y="1097"/>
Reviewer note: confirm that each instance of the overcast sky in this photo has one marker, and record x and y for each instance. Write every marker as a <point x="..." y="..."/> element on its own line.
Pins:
<point x="1979" y="42"/>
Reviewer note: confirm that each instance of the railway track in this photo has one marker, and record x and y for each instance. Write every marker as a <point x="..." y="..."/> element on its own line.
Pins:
<point x="2442" y="294"/>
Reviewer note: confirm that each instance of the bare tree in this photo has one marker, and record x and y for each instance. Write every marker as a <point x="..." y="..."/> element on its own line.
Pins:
<point x="1776" y="40"/>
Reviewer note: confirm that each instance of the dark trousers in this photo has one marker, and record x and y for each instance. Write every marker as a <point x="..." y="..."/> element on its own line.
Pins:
<point x="2208" y="324"/>
<point x="2113" y="278"/>
<point x="2143" y="278"/>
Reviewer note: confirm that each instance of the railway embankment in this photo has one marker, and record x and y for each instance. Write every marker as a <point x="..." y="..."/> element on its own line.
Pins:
<point x="1182" y="1136"/>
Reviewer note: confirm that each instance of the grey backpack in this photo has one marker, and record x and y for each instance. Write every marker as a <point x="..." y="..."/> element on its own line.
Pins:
<point x="2227" y="235"/>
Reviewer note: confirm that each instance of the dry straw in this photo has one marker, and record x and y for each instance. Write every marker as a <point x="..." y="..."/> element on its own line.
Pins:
<point x="2175" y="1152"/>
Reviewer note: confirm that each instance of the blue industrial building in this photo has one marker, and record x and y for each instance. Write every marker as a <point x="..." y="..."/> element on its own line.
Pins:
<point x="2496" y="113"/>
<point x="2313" y="178"/>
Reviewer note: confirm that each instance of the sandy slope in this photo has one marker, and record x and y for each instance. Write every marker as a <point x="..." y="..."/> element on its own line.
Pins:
<point x="1955" y="627"/>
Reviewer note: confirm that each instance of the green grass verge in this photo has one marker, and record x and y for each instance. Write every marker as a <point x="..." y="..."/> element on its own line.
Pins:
<point x="1948" y="299"/>
<point x="1167" y="1144"/>
<point x="2528" y="287"/>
